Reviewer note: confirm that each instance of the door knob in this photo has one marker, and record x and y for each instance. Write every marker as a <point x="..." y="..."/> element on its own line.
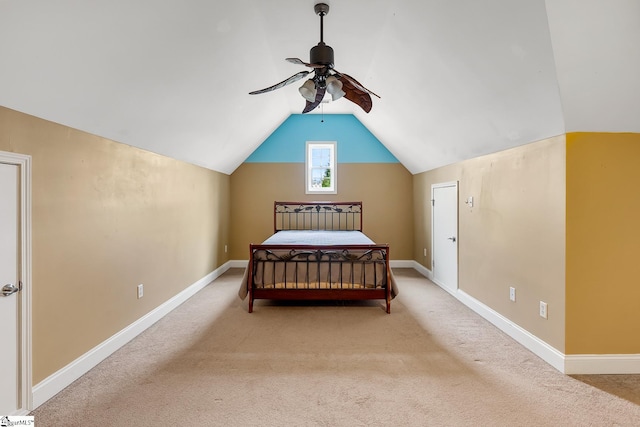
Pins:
<point x="452" y="238"/>
<point x="9" y="289"/>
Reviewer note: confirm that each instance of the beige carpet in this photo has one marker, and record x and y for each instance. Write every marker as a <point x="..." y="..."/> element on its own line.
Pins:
<point x="431" y="362"/>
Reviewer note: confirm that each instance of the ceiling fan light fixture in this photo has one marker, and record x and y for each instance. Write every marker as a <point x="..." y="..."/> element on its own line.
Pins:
<point x="334" y="87"/>
<point x="308" y="90"/>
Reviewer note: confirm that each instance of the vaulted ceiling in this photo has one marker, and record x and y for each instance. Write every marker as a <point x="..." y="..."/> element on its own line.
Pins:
<point x="457" y="78"/>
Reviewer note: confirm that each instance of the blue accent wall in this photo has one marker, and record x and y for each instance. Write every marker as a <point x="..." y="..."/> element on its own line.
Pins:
<point x="356" y="144"/>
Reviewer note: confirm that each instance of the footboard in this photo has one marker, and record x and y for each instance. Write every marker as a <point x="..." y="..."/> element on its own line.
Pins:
<point x="299" y="272"/>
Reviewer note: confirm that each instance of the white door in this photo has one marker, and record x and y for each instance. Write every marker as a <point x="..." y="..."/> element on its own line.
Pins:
<point x="9" y="296"/>
<point x="444" y="232"/>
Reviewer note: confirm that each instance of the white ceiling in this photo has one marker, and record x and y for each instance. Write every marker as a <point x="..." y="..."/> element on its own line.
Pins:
<point x="457" y="78"/>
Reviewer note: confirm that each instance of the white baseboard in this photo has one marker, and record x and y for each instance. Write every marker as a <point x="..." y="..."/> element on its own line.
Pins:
<point x="602" y="364"/>
<point x="399" y="263"/>
<point x="53" y="384"/>
<point x="567" y="364"/>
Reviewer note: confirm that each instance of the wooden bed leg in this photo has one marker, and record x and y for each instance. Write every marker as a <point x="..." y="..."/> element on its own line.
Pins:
<point x="250" y="305"/>
<point x="388" y="307"/>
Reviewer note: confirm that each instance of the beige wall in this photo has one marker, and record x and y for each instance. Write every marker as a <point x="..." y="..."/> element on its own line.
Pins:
<point x="603" y="243"/>
<point x="383" y="188"/>
<point x="513" y="236"/>
<point x="105" y="218"/>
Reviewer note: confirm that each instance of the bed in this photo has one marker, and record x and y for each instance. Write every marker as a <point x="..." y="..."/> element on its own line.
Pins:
<point x="318" y="252"/>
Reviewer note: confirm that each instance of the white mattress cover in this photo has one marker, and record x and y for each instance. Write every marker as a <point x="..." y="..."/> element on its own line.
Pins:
<point x="318" y="237"/>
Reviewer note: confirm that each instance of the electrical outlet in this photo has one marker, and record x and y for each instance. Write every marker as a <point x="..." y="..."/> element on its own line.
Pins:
<point x="543" y="309"/>
<point x="512" y="294"/>
<point x="424" y="251"/>
<point x="225" y="249"/>
<point x="140" y="290"/>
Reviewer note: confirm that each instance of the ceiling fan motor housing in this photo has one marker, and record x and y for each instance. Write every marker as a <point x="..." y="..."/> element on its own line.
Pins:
<point x="322" y="54"/>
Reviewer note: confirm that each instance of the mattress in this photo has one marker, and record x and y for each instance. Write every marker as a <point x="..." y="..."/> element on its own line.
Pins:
<point x="318" y="238"/>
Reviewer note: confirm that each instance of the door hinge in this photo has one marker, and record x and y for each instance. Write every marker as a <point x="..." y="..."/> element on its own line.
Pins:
<point x="19" y="285"/>
<point x="433" y="202"/>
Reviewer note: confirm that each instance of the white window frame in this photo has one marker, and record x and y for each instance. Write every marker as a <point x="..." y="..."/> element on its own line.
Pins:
<point x="333" y="167"/>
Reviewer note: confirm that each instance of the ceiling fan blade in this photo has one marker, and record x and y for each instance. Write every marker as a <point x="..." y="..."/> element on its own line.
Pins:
<point x="312" y="105"/>
<point x="355" y="94"/>
<point x="283" y="83"/>
<point x="299" y="61"/>
<point x="354" y="82"/>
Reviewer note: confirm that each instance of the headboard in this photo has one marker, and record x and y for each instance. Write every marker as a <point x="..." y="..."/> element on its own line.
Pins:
<point x="345" y="216"/>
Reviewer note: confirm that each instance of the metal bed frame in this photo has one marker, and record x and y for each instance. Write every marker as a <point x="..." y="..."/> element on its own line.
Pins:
<point x="319" y="272"/>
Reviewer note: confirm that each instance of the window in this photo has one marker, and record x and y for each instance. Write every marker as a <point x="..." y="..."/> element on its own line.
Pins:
<point x="321" y="175"/>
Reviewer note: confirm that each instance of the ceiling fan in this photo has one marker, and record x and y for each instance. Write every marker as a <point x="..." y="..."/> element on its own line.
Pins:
<point x="325" y="78"/>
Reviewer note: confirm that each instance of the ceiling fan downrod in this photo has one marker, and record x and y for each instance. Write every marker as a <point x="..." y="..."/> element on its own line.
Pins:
<point x="321" y="9"/>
